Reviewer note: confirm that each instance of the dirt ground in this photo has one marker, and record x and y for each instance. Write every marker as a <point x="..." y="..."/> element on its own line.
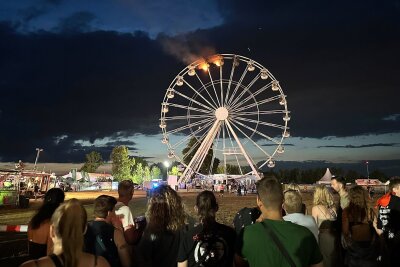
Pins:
<point x="229" y="204"/>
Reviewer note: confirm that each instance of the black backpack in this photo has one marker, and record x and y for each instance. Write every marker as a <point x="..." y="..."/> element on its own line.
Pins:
<point x="210" y="250"/>
<point x="245" y="217"/>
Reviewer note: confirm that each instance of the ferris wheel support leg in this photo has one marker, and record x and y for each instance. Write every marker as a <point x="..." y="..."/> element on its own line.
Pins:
<point x="200" y="153"/>
<point x="243" y="151"/>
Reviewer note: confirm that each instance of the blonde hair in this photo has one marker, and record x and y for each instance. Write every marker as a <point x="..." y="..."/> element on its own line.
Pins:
<point x="294" y="187"/>
<point x="322" y="196"/>
<point x="292" y="201"/>
<point x="69" y="222"/>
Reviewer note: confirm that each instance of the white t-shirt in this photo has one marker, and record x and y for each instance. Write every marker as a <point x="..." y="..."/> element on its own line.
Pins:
<point x="304" y="220"/>
<point x="125" y="215"/>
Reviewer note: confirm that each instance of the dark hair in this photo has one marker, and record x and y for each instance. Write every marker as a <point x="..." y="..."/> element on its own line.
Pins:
<point x="102" y="205"/>
<point x="339" y="179"/>
<point x="207" y="206"/>
<point x="359" y="204"/>
<point x="394" y="182"/>
<point x="52" y="199"/>
<point x="125" y="188"/>
<point x="165" y="211"/>
<point x="270" y="192"/>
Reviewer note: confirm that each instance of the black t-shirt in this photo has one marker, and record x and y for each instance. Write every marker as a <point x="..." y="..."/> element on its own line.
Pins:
<point x="212" y="248"/>
<point x="157" y="249"/>
<point x="389" y="219"/>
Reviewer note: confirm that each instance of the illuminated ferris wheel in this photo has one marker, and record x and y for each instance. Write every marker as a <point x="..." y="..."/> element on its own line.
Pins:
<point x="228" y="107"/>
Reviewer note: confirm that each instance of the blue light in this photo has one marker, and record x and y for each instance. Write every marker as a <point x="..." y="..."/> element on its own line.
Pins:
<point x="155" y="185"/>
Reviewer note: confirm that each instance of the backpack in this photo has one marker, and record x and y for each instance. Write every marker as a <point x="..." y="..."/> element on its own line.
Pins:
<point x="244" y="217"/>
<point x="210" y="250"/>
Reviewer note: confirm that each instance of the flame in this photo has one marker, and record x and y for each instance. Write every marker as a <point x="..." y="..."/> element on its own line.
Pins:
<point x="217" y="60"/>
<point x="204" y="66"/>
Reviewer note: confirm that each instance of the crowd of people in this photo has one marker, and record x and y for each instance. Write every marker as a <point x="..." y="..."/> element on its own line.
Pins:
<point x="277" y="232"/>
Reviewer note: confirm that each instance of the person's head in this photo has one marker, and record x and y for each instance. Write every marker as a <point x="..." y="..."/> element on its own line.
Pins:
<point x="358" y="202"/>
<point x="293" y="186"/>
<point x="270" y="194"/>
<point x="52" y="199"/>
<point x="322" y="196"/>
<point x="104" y="206"/>
<point x="394" y="186"/>
<point x="125" y="189"/>
<point x="165" y="210"/>
<point x="292" y="202"/>
<point x="338" y="183"/>
<point x="68" y="225"/>
<point x="206" y="206"/>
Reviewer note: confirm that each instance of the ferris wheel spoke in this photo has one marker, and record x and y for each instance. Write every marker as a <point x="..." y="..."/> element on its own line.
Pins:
<point x="174" y="146"/>
<point x="205" y="89"/>
<point x="214" y="149"/>
<point x="237" y="160"/>
<point x="237" y="86"/>
<point x="261" y="122"/>
<point x="230" y="80"/>
<point x="221" y="85"/>
<point x="213" y="85"/>
<point x="196" y="91"/>
<point x="188" y="108"/>
<point x="258" y="132"/>
<point x="251" y="140"/>
<point x="261" y="112"/>
<point x="195" y="146"/>
<point x="246" y="89"/>
<point x="277" y="97"/>
<point x="192" y="100"/>
<point x="252" y="96"/>
<point x="190" y="125"/>
<point x="188" y="117"/>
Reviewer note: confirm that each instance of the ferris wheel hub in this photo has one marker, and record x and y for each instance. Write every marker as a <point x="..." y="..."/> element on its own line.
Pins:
<point x="221" y="113"/>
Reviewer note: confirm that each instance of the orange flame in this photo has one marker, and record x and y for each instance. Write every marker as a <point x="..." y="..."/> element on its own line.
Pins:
<point x="204" y="66"/>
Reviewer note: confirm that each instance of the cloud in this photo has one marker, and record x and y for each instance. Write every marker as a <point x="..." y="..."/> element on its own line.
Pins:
<point x="393" y="117"/>
<point x="76" y="23"/>
<point x="362" y="146"/>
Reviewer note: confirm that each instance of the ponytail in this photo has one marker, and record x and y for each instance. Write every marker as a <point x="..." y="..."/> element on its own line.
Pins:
<point x="207" y="206"/>
<point x="69" y="222"/>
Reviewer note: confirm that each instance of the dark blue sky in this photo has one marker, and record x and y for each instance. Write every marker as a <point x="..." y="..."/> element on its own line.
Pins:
<point x="74" y="74"/>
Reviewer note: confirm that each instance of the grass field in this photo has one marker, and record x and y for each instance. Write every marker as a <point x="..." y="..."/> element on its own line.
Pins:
<point x="228" y="205"/>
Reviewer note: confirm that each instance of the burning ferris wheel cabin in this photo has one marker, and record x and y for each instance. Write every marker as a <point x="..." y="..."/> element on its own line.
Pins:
<point x="228" y="107"/>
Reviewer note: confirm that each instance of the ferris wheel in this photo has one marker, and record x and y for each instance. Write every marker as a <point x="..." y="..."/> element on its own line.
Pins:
<point x="225" y="109"/>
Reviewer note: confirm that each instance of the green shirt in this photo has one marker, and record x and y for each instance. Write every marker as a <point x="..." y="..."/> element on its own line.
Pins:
<point x="344" y="200"/>
<point x="257" y="247"/>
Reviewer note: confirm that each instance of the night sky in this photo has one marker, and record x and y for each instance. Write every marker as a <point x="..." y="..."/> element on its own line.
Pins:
<point x="80" y="75"/>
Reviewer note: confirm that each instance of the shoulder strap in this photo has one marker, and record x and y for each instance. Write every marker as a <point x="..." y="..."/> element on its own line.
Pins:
<point x="56" y="260"/>
<point x="279" y="245"/>
<point x="95" y="260"/>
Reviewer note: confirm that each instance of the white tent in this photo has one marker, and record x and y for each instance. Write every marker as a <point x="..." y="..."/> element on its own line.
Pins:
<point x="326" y="179"/>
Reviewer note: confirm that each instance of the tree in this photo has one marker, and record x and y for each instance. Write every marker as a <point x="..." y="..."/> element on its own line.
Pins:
<point x="205" y="167"/>
<point x="175" y="171"/>
<point x="121" y="163"/>
<point x="155" y="172"/>
<point x="138" y="174"/>
<point x="93" y="161"/>
<point x="147" y="174"/>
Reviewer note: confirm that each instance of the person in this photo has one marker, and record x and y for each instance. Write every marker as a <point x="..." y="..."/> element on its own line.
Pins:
<point x="105" y="236"/>
<point x="67" y="226"/>
<point x="338" y="184"/>
<point x="296" y="187"/>
<point x="292" y="205"/>
<point x="123" y="211"/>
<point x="324" y="213"/>
<point x="361" y="241"/>
<point x="39" y="241"/>
<point x="389" y="221"/>
<point x="273" y="241"/>
<point x="165" y="217"/>
<point x="36" y="191"/>
<point x="221" y="190"/>
<point x="208" y="243"/>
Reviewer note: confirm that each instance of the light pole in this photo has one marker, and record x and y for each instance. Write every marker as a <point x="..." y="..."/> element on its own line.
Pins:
<point x="366" y="162"/>
<point x="166" y="164"/>
<point x="37" y="156"/>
